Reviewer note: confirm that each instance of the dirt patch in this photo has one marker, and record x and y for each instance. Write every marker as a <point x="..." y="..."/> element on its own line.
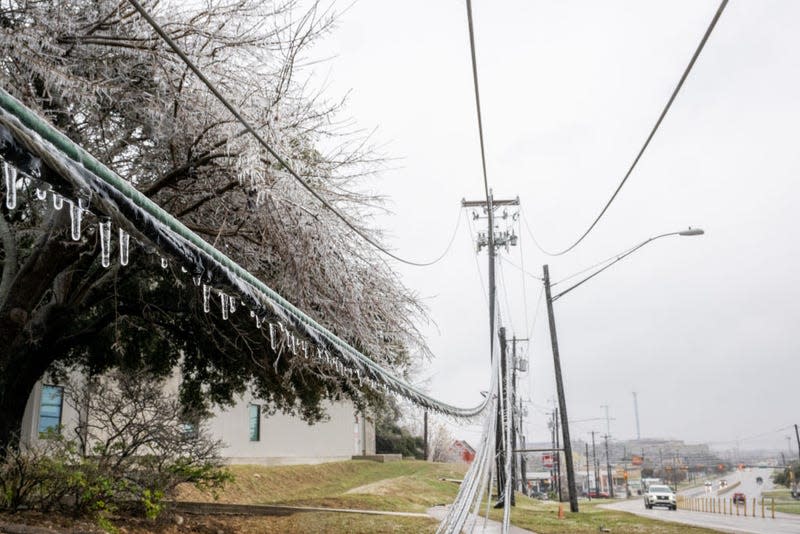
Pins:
<point x="381" y="487"/>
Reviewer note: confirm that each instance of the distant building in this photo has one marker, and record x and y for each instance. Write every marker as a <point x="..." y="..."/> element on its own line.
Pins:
<point x="461" y="451"/>
<point x="249" y="436"/>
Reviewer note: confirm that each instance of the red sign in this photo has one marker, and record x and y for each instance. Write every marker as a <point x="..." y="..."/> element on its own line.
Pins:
<point x="547" y="460"/>
<point x="636" y="460"/>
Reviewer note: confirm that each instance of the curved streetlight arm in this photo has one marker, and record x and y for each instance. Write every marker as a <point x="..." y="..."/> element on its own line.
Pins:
<point x="689" y="232"/>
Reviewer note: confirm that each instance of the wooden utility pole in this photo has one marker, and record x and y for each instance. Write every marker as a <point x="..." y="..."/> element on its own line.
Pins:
<point x="587" y="471"/>
<point x="608" y="470"/>
<point x="492" y="241"/>
<point x="797" y="435"/>
<point x="596" y="466"/>
<point x="562" y="402"/>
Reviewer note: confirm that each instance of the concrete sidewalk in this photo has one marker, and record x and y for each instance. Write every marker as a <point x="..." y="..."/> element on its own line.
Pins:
<point x="492" y="527"/>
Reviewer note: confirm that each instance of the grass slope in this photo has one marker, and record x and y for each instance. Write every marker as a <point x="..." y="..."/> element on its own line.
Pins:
<point x="408" y="486"/>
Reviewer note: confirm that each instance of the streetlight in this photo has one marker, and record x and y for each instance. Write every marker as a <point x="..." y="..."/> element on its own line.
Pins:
<point x="562" y="403"/>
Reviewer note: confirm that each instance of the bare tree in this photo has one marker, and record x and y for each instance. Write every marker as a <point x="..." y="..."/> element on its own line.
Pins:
<point x="98" y="73"/>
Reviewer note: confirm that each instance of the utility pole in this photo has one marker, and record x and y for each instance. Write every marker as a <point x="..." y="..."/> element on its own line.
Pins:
<point x="587" y="472"/>
<point x="499" y="434"/>
<point x="636" y="413"/>
<point x="492" y="240"/>
<point x="608" y="469"/>
<point x="517" y="366"/>
<point x="596" y="466"/>
<point x="797" y="435"/>
<point x="608" y="419"/>
<point x="562" y="401"/>
<point x="425" y="424"/>
<point x="558" y="457"/>
<point x="523" y="464"/>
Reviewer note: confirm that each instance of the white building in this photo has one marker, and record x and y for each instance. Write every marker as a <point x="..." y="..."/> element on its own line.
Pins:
<point x="249" y="436"/>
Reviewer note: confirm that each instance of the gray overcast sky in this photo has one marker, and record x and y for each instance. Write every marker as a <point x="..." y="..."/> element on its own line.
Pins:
<point x="705" y="329"/>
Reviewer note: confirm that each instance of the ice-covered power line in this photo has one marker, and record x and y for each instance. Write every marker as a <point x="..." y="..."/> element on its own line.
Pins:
<point x="252" y="130"/>
<point x="45" y="155"/>
<point x="649" y="138"/>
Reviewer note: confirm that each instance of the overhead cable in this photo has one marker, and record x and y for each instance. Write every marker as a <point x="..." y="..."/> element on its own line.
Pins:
<point x="674" y="94"/>
<point x="477" y="99"/>
<point x="235" y="112"/>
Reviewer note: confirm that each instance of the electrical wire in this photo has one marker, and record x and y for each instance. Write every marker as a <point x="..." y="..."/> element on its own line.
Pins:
<point x="598" y="264"/>
<point x="649" y="138"/>
<point x="520" y="269"/>
<point x="235" y="112"/>
<point x="477" y="99"/>
<point x="478" y="266"/>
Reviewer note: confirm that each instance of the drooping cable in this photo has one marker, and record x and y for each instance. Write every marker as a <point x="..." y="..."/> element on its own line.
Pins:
<point x="235" y="112"/>
<point x="649" y="138"/>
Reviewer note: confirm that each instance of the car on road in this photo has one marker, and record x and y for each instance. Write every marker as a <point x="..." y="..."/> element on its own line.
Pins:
<point x="594" y="494"/>
<point x="739" y="498"/>
<point x="658" y="495"/>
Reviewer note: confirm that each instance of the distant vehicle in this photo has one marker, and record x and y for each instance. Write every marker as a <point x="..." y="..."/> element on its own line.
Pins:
<point x="739" y="498"/>
<point x="723" y="483"/>
<point x="708" y="484"/>
<point x="759" y="480"/>
<point x="594" y="494"/>
<point x="658" y="495"/>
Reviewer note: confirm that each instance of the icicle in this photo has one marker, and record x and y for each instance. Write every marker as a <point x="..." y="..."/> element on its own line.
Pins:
<point x="272" y="336"/>
<point x="10" y="173"/>
<point x="206" y="298"/>
<point x="183" y="269"/>
<point x="75" y="221"/>
<point x="124" y="247"/>
<point x="232" y="303"/>
<point x="105" y="242"/>
<point x="258" y="322"/>
<point x="223" y="301"/>
<point x="41" y="194"/>
<point x="197" y="279"/>
<point x="164" y="263"/>
<point x="83" y="203"/>
<point x="252" y="314"/>
<point x="58" y="201"/>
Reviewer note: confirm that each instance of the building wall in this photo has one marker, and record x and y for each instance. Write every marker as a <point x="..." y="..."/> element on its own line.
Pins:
<point x="289" y="440"/>
<point x="283" y="439"/>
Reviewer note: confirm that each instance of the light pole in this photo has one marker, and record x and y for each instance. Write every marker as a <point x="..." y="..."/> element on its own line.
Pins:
<point x="562" y="403"/>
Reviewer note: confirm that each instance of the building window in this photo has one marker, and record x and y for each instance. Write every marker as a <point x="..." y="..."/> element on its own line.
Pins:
<point x="255" y="422"/>
<point x="50" y="409"/>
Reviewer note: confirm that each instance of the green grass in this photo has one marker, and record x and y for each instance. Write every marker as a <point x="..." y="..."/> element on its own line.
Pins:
<point x="783" y="501"/>
<point x="408" y="486"/>
<point x="542" y="517"/>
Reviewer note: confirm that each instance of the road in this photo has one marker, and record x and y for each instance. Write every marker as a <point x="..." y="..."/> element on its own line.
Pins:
<point x="782" y="524"/>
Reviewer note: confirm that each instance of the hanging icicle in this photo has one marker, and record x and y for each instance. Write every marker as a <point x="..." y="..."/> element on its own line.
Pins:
<point x="105" y="242"/>
<point x="164" y="263"/>
<point x="223" y="301"/>
<point x="197" y="279"/>
<point x="83" y="203"/>
<point x="124" y="246"/>
<point x="75" y="214"/>
<point x="258" y="322"/>
<point x="41" y="194"/>
<point x="58" y="201"/>
<point x="232" y="303"/>
<point x="10" y="174"/>
<point x="206" y="298"/>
